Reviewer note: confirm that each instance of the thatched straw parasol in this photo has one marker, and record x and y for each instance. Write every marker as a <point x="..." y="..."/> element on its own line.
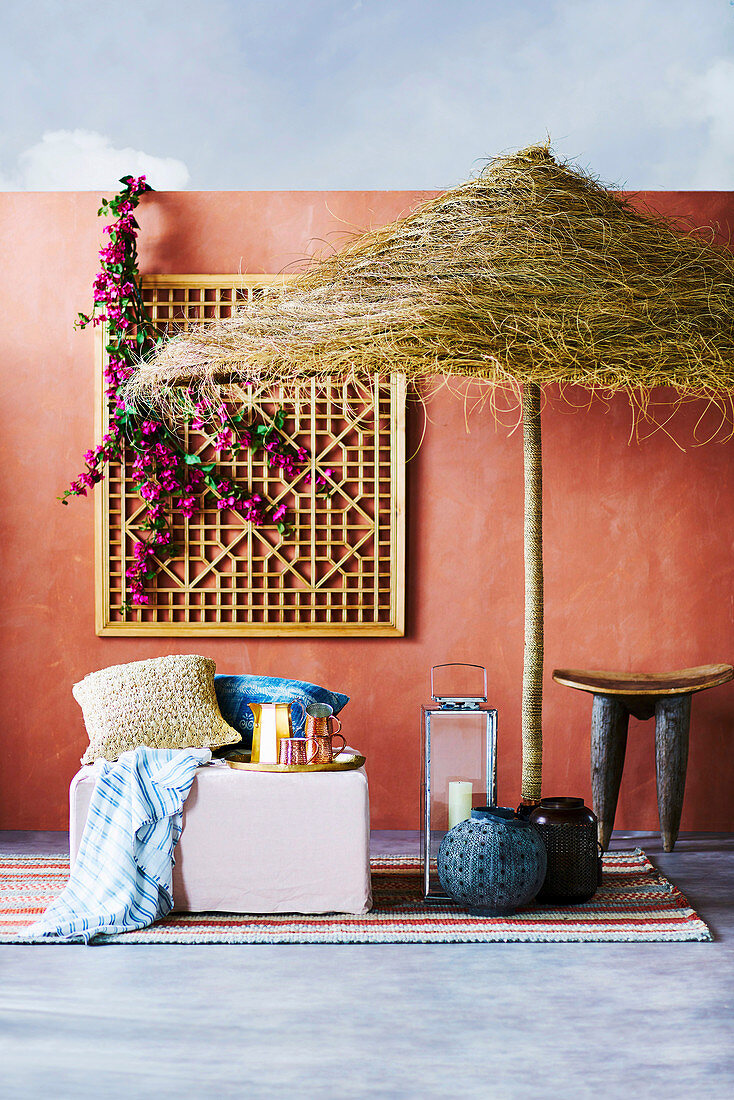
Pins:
<point x="530" y="274"/>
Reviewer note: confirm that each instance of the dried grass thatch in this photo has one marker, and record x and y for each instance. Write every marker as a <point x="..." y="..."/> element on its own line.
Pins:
<point x="532" y="273"/>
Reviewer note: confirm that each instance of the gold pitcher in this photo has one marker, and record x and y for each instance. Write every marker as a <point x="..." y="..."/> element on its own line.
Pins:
<point x="272" y="724"/>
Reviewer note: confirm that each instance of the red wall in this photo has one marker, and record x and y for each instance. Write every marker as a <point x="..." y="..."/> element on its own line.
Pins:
<point x="638" y="537"/>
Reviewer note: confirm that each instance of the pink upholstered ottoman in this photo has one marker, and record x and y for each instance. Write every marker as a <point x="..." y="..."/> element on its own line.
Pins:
<point x="259" y="842"/>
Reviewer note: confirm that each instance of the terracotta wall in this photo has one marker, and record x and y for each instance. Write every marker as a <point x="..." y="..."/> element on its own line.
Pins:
<point x="638" y="536"/>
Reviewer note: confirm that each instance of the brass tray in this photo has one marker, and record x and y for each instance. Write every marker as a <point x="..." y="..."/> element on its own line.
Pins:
<point x="347" y="764"/>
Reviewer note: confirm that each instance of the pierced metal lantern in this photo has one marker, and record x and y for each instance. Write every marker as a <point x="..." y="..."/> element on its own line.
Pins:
<point x="459" y="758"/>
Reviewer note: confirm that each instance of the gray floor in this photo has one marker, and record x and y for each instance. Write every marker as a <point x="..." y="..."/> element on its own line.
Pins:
<point x="498" y="1021"/>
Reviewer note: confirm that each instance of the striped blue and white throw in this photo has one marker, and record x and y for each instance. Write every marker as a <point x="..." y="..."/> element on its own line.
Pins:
<point x="122" y="878"/>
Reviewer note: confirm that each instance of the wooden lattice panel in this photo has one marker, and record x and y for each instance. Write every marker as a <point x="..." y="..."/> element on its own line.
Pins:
<point x="339" y="570"/>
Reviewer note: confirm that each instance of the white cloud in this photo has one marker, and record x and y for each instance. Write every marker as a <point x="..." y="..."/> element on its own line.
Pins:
<point x="83" y="160"/>
<point x="410" y="93"/>
<point x="641" y="93"/>
<point x="712" y="98"/>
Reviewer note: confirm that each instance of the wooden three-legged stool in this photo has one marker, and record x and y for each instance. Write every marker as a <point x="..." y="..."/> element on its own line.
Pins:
<point x="666" y="696"/>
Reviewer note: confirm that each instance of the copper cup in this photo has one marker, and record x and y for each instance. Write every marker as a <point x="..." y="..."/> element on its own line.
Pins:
<point x="320" y="720"/>
<point x="295" y="750"/>
<point x="320" y="733"/>
<point x="321" y="746"/>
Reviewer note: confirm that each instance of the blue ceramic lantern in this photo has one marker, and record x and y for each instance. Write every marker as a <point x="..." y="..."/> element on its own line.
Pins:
<point x="492" y="864"/>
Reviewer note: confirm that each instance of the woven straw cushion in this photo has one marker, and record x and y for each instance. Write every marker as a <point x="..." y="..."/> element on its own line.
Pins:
<point x="166" y="703"/>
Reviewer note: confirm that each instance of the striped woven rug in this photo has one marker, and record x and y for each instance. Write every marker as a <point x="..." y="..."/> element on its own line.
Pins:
<point x="635" y="903"/>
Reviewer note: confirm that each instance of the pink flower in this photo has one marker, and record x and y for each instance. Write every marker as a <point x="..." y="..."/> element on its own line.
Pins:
<point x="223" y="439"/>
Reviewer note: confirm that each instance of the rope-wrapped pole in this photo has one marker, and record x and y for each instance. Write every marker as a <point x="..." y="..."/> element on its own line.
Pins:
<point x="532" y="675"/>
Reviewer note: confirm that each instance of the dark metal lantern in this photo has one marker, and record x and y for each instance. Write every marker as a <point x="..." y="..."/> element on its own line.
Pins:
<point x="568" y="829"/>
<point x="458" y="749"/>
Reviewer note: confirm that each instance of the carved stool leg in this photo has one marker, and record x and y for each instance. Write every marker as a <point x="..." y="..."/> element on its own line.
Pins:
<point x="672" y="723"/>
<point x="609" y="720"/>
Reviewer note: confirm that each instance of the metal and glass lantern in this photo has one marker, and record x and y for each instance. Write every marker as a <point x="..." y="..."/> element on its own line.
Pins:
<point x="459" y="756"/>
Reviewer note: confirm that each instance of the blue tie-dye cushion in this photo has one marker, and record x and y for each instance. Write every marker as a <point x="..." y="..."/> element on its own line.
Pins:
<point x="235" y="693"/>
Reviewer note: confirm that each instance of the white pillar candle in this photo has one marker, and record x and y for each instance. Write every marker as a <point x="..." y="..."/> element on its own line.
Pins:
<point x="460" y="794"/>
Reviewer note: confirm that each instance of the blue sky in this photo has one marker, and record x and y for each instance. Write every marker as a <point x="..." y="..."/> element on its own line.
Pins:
<point x="301" y="94"/>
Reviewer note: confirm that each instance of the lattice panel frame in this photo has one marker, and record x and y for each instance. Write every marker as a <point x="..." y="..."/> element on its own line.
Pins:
<point x="342" y="569"/>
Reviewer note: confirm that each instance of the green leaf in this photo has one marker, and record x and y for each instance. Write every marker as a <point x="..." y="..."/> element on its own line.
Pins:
<point x="192" y="460"/>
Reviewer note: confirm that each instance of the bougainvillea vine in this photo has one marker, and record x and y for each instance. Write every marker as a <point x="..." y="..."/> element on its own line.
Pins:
<point x="169" y="479"/>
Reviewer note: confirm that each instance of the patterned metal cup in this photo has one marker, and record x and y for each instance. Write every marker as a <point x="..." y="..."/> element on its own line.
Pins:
<point x="321" y="725"/>
<point x="321" y="746"/>
<point x="295" y="750"/>
<point x="320" y="733"/>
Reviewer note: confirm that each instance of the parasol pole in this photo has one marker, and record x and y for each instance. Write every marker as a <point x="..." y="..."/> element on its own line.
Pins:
<point x="532" y="675"/>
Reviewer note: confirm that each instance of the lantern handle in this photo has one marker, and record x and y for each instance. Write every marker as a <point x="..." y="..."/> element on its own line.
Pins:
<point x="459" y="664"/>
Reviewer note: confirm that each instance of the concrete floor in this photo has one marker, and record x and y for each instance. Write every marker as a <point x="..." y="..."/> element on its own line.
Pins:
<point x="497" y="1021"/>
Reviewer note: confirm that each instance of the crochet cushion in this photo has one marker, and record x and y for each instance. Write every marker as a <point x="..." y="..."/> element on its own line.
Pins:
<point x="235" y="693"/>
<point x="164" y="703"/>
